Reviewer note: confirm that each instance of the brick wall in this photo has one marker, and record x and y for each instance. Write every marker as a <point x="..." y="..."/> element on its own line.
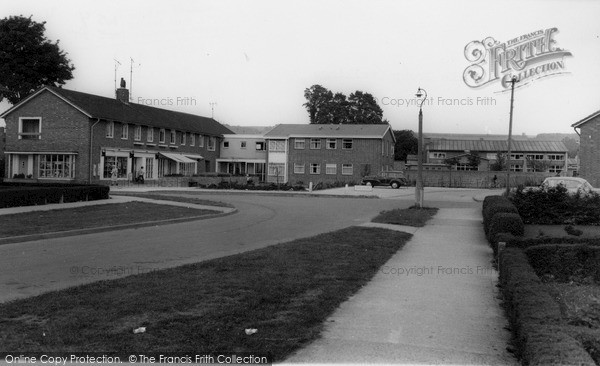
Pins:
<point x="589" y="151"/>
<point x="2" y="158"/>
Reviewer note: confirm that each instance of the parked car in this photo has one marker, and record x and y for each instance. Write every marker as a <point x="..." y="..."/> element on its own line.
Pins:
<point x="572" y="184"/>
<point x="394" y="179"/>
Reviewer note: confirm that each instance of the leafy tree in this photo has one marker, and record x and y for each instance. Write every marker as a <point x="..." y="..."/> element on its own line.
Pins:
<point x="474" y="159"/>
<point x="325" y="107"/>
<point x="28" y="60"/>
<point x="500" y="164"/>
<point x="537" y="165"/>
<point x="406" y="144"/>
<point x="573" y="146"/>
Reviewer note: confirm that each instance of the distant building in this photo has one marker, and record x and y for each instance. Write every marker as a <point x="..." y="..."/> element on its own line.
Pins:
<point x="328" y="153"/>
<point x="589" y="148"/>
<point x="480" y="155"/>
<point x="68" y="136"/>
<point x="243" y="155"/>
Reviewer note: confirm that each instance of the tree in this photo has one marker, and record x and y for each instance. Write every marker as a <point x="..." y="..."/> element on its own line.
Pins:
<point x="573" y="146"/>
<point x="406" y="144"/>
<point x="28" y="60"/>
<point x="325" y="107"/>
<point x="500" y="163"/>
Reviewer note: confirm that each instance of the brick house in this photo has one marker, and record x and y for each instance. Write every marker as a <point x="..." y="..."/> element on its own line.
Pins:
<point x="2" y="144"/>
<point x="328" y="153"/>
<point x="68" y="136"/>
<point x="480" y="155"/>
<point x="589" y="148"/>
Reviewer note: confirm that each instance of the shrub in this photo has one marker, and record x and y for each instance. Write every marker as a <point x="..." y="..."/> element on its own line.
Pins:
<point x="492" y="209"/>
<point x="41" y="194"/>
<point x="488" y="200"/>
<point x="505" y="222"/>
<point x="533" y="316"/>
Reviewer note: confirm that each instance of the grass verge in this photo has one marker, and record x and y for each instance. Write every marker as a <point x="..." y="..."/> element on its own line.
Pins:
<point x="85" y="217"/>
<point x="406" y="216"/>
<point x="177" y="197"/>
<point x="285" y="291"/>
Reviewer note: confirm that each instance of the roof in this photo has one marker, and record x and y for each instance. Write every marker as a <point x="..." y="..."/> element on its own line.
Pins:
<point x="472" y="136"/>
<point x="586" y="119"/>
<point x="329" y="130"/>
<point x="495" y="146"/>
<point x="95" y="106"/>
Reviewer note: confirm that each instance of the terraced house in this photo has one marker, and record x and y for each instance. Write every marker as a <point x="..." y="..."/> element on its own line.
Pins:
<point x="589" y="147"/>
<point x="68" y="136"/>
<point x="328" y="153"/>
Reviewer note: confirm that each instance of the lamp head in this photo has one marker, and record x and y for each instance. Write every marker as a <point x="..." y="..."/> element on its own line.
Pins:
<point x="419" y="94"/>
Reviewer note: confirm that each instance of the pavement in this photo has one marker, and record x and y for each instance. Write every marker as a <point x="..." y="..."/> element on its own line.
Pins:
<point x="434" y="302"/>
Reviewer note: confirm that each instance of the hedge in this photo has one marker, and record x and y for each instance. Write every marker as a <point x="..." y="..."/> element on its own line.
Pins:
<point x="488" y="200"/>
<point x="564" y="261"/>
<point x="535" y="317"/>
<point x="38" y="194"/>
<point x="494" y="208"/>
<point x="505" y="222"/>
<point x="518" y="242"/>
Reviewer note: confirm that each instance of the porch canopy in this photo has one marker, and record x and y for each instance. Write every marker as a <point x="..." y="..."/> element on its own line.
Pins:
<point x="178" y="158"/>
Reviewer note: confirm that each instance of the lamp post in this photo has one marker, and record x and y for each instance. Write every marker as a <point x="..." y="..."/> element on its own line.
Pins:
<point x="419" y="187"/>
<point x="512" y="95"/>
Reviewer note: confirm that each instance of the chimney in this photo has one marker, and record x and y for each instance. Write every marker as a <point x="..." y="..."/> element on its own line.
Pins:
<point x="123" y="93"/>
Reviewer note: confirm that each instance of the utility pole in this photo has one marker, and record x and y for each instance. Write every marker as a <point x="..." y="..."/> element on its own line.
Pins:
<point x="117" y="63"/>
<point x="212" y="109"/>
<point x="512" y="98"/>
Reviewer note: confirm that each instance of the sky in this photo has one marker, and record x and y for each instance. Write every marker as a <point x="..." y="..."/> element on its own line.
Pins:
<point x="252" y="60"/>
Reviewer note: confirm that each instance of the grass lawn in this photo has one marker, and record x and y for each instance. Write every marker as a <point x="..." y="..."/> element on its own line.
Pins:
<point x="579" y="303"/>
<point x="174" y="196"/>
<point x="406" y="216"/>
<point x="284" y="291"/>
<point x="110" y="214"/>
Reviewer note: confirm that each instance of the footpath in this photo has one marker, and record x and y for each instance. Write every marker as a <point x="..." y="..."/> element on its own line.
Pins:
<point x="433" y="302"/>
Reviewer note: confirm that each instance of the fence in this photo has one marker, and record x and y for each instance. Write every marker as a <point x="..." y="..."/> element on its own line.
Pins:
<point x="476" y="179"/>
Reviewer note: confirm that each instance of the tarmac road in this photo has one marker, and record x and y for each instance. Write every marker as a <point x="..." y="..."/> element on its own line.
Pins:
<point x="35" y="267"/>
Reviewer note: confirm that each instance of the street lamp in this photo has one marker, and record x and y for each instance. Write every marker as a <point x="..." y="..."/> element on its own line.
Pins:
<point x="419" y="187"/>
<point x="510" y="122"/>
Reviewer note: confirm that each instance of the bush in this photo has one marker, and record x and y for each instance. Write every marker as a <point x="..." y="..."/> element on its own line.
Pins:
<point x="566" y="262"/>
<point x="41" y="194"/>
<point x="535" y="317"/>
<point x="492" y="209"/>
<point x="489" y="200"/>
<point x="505" y="222"/>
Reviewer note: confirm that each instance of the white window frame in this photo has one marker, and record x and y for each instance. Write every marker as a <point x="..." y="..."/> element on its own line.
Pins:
<point x="192" y="139"/>
<point x="317" y="170"/>
<point x="173" y="137"/>
<point x="225" y="144"/>
<point x="243" y="144"/>
<point x="137" y="133"/>
<point x="280" y="170"/>
<point x="260" y="146"/>
<point x="299" y="144"/>
<point x="125" y="132"/>
<point x="347" y="141"/>
<point x="331" y="169"/>
<point x="212" y="142"/>
<point x="183" y="139"/>
<point x="162" y="136"/>
<point x="347" y="169"/>
<point x="277" y="145"/>
<point x="315" y="144"/>
<point x="200" y="140"/>
<point x="299" y="168"/>
<point x="150" y="134"/>
<point x="331" y="144"/>
<point x="39" y="133"/>
<point x="110" y="130"/>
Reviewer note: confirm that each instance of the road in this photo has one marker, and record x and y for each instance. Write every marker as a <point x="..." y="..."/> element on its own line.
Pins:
<point x="35" y="267"/>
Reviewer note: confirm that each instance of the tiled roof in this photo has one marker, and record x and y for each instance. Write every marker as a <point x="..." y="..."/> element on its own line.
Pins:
<point x="496" y="145"/>
<point x="330" y="130"/>
<point x="114" y="110"/>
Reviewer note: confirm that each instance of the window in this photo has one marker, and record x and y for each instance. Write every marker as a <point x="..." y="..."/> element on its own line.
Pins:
<point x="243" y="144"/>
<point x="150" y="134"/>
<point x="466" y="166"/>
<point x="110" y="130"/>
<point x="173" y="139"/>
<point x="535" y="156"/>
<point x="555" y="168"/>
<point x="30" y="128"/>
<point x="516" y="168"/>
<point x="556" y="157"/>
<point x="347" y="169"/>
<point x="119" y="161"/>
<point x="200" y="140"/>
<point x="330" y="169"/>
<point x="260" y="145"/>
<point x="226" y="144"/>
<point x="149" y="168"/>
<point x="516" y="156"/>
<point x="137" y="133"/>
<point x="299" y="144"/>
<point x="182" y="138"/>
<point x="125" y="131"/>
<point x="436" y="155"/>
<point x="315" y="144"/>
<point x="298" y="168"/>
<point x="161" y="135"/>
<point x="57" y="166"/>
<point x="315" y="168"/>
<point x="192" y="139"/>
<point x="347" y="144"/>
<point x="277" y="145"/>
<point x="211" y="143"/>
<point x="331" y="144"/>
<point x="276" y="169"/>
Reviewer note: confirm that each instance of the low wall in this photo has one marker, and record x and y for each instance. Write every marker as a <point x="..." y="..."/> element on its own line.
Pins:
<point x="475" y="179"/>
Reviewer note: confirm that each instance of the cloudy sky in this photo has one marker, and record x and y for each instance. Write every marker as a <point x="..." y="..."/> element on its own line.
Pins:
<point x="255" y="58"/>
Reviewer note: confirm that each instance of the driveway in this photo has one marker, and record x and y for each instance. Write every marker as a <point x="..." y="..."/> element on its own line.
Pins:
<point x="35" y="267"/>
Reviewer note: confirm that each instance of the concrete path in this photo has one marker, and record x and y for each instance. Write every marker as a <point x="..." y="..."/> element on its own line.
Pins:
<point x="434" y="302"/>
